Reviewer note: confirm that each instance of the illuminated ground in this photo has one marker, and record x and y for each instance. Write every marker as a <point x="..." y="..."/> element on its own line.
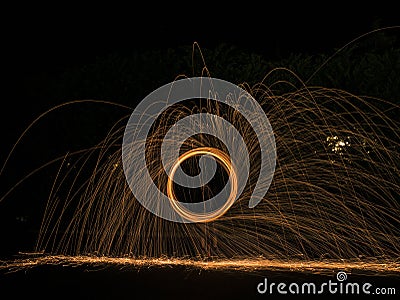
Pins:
<point x="324" y="267"/>
<point x="106" y="277"/>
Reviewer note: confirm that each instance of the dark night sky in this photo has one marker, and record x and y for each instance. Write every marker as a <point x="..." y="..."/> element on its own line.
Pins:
<point x="55" y="43"/>
<point x="47" y="41"/>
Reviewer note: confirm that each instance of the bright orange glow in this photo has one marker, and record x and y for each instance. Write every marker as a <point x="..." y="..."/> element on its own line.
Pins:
<point x="374" y="266"/>
<point x="226" y="163"/>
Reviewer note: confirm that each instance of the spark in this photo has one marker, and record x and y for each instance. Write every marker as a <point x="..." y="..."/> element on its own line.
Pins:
<point x="371" y="266"/>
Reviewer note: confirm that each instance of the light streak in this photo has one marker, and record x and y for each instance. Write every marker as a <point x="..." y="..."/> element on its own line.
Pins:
<point x="226" y="163"/>
<point x="367" y="266"/>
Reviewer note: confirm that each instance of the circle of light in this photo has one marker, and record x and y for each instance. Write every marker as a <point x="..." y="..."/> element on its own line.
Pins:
<point x="175" y="138"/>
<point x="210" y="216"/>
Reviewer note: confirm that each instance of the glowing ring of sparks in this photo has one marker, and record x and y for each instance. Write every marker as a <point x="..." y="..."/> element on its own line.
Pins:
<point x="226" y="163"/>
